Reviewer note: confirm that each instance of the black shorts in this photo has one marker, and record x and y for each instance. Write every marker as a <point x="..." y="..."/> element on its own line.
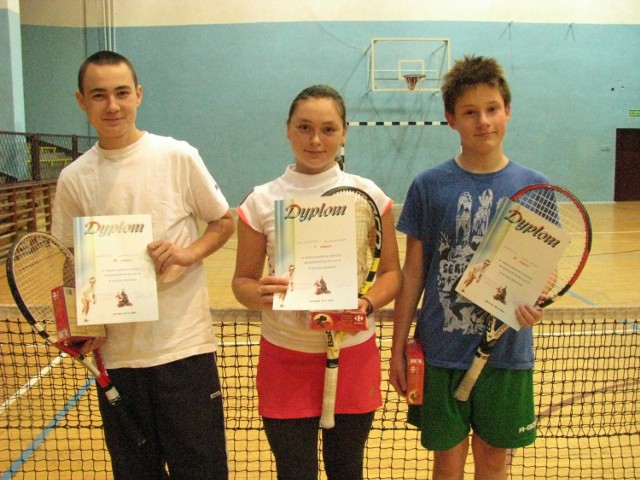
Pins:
<point x="178" y="407"/>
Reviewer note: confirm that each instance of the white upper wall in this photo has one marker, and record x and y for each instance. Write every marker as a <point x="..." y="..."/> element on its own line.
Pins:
<point x="130" y="13"/>
<point x="10" y="5"/>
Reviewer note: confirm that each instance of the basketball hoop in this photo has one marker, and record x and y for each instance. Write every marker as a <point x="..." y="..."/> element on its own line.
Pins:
<point x="413" y="79"/>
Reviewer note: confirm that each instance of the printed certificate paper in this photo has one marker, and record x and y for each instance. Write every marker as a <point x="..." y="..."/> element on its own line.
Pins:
<point x="517" y="256"/>
<point x="115" y="277"/>
<point x="316" y="250"/>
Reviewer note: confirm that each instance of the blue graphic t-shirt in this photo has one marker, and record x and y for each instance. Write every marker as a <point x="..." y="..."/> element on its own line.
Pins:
<point x="449" y="209"/>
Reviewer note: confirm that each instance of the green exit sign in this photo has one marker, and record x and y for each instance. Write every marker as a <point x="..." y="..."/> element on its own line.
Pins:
<point x="634" y="113"/>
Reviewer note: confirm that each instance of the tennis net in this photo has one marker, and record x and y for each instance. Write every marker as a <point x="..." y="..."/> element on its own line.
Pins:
<point x="586" y="383"/>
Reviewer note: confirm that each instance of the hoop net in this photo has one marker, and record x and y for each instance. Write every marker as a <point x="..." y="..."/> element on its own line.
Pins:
<point x="413" y="79"/>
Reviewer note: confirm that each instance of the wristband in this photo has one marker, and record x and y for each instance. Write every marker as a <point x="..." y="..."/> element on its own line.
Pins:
<point x="369" y="310"/>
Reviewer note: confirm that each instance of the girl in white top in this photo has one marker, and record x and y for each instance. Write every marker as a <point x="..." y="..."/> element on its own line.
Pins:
<point x="292" y="360"/>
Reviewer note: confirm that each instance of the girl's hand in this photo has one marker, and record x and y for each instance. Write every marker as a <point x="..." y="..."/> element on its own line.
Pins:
<point x="269" y="286"/>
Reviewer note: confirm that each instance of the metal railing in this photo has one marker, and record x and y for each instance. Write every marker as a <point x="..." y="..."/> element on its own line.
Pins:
<point x="29" y="167"/>
<point x="24" y="207"/>
<point x="38" y="156"/>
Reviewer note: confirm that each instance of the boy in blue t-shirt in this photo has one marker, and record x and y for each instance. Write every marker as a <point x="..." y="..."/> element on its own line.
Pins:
<point x="445" y="216"/>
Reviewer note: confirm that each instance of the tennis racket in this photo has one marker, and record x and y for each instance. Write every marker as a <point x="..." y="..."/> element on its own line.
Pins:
<point x="369" y="246"/>
<point x="561" y="207"/>
<point x="38" y="263"/>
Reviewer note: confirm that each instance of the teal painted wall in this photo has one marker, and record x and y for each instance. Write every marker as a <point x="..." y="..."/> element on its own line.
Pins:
<point x="227" y="89"/>
<point x="51" y="57"/>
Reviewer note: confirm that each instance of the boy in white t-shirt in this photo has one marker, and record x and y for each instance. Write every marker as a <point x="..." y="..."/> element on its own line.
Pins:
<point x="165" y="370"/>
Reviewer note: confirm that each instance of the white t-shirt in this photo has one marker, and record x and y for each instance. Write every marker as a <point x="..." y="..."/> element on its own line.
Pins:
<point x="291" y="329"/>
<point x="167" y="179"/>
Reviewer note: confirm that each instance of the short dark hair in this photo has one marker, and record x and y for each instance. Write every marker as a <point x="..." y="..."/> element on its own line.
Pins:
<point x="320" y="91"/>
<point x="104" y="57"/>
<point x="468" y="72"/>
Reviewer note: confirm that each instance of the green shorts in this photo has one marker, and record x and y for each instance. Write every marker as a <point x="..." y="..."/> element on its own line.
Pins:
<point x="500" y="409"/>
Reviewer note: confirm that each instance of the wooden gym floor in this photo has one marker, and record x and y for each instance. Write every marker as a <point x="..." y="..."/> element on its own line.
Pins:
<point x="611" y="278"/>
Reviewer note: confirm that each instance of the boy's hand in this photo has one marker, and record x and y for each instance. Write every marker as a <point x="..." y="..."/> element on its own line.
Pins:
<point x="398" y="373"/>
<point x="88" y="346"/>
<point x="528" y="316"/>
<point x="165" y="254"/>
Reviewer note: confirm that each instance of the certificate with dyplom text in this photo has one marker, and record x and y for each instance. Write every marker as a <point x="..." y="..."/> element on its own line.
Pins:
<point x="512" y="265"/>
<point x="316" y="251"/>
<point x="115" y="276"/>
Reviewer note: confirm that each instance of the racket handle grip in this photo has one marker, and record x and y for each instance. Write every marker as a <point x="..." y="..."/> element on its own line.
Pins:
<point x="327" y="419"/>
<point x="129" y="426"/>
<point x="469" y="380"/>
<point x="126" y="422"/>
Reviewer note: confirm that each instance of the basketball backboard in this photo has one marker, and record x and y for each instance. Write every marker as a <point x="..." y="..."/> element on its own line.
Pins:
<point x="393" y="60"/>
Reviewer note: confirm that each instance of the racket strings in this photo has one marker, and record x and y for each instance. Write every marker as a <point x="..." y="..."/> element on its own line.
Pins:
<point x="562" y="210"/>
<point x="368" y="225"/>
<point x="541" y="203"/>
<point x="365" y="238"/>
<point x="38" y="267"/>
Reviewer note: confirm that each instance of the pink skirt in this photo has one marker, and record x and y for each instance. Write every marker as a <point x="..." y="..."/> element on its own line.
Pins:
<point x="290" y="383"/>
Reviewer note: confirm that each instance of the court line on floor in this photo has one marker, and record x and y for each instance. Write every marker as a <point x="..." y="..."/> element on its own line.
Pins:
<point x="16" y="465"/>
<point x="32" y="382"/>
<point x="582" y="299"/>
<point x="629" y="324"/>
<point x="582" y="396"/>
